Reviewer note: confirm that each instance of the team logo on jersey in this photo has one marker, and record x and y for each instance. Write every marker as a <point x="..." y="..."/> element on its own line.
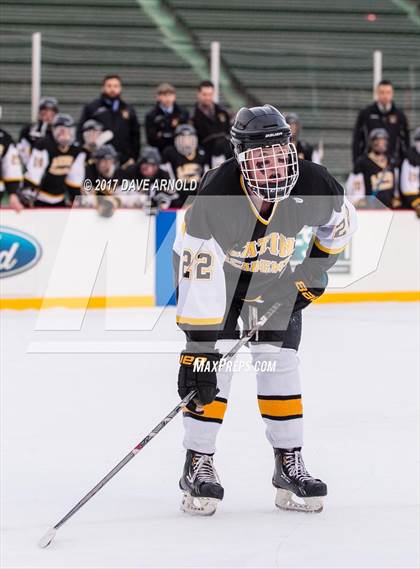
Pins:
<point x="382" y="181"/>
<point x="250" y="257"/>
<point x="60" y="165"/>
<point x="18" y="251"/>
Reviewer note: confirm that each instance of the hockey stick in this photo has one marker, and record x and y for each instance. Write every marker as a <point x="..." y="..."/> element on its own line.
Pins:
<point x="49" y="536"/>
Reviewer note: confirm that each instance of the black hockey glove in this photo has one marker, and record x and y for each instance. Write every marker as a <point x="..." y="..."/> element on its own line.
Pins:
<point x="308" y="288"/>
<point x="198" y="371"/>
<point x="298" y="290"/>
<point x="106" y="206"/>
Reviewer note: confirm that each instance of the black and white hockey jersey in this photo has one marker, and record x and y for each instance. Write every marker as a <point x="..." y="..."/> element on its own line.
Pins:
<point x="410" y="179"/>
<point x="189" y="169"/>
<point x="229" y="246"/>
<point x="373" y="175"/>
<point x="29" y="136"/>
<point x="49" y="168"/>
<point x="10" y="165"/>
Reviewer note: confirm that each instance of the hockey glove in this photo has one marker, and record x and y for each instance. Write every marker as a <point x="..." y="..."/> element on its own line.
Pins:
<point x="198" y="372"/>
<point x="307" y="288"/>
<point x="106" y="206"/>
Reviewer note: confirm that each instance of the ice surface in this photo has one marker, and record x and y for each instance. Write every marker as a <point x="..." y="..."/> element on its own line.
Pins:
<point x="67" y="418"/>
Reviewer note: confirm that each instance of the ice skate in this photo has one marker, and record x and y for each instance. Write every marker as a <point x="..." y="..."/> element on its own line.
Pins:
<point x="296" y="489"/>
<point x="200" y="484"/>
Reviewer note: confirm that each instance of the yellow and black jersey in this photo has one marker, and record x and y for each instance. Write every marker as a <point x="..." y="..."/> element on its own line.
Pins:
<point x="373" y="175"/>
<point x="53" y="171"/>
<point x="10" y="165"/>
<point x="230" y="248"/>
<point x="30" y="135"/>
<point x="189" y="169"/>
<point x="410" y="179"/>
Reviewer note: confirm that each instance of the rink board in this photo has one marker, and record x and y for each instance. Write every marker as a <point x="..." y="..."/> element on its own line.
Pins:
<point x="76" y="259"/>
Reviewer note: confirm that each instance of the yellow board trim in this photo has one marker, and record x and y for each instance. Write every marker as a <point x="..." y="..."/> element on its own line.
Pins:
<point x="148" y="301"/>
<point x="329" y="251"/>
<point x="387" y="296"/>
<point x="193" y="321"/>
<point x="280" y="407"/>
<point x="77" y="302"/>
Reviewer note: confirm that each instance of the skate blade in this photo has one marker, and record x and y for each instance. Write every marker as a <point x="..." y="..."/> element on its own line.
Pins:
<point x="199" y="506"/>
<point x="286" y="500"/>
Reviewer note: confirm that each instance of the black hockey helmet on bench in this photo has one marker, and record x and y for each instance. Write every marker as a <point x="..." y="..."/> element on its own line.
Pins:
<point x="261" y="140"/>
<point x="106" y="152"/>
<point x="378" y="134"/>
<point x="186" y="141"/>
<point x="106" y="158"/>
<point x="91" y="124"/>
<point x="150" y="155"/>
<point x="64" y="129"/>
<point x="149" y="161"/>
<point x="48" y="103"/>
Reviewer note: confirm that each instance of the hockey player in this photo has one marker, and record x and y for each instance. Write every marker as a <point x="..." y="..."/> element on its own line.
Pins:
<point x="10" y="169"/>
<point x="305" y="151"/>
<point x="94" y="136"/>
<point x="148" y="185"/>
<point x="374" y="174"/>
<point x="32" y="133"/>
<point x="185" y="161"/>
<point x="410" y="175"/>
<point x="234" y="264"/>
<point x="47" y="178"/>
<point x="105" y="176"/>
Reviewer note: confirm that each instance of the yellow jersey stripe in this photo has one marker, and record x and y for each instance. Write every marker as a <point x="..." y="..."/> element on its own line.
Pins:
<point x="326" y="250"/>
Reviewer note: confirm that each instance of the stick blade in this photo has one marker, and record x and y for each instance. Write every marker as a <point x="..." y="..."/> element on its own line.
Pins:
<point x="47" y="538"/>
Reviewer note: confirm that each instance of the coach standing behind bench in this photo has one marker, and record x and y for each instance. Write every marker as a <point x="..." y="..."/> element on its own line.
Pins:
<point x="382" y="114"/>
<point x="164" y="117"/>
<point x="117" y="116"/>
<point x="212" y="124"/>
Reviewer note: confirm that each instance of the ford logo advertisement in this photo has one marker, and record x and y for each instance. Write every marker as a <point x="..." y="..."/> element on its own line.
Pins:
<point x="18" y="251"/>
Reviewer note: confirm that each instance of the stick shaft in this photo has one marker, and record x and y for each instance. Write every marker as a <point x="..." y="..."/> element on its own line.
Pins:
<point x="164" y="421"/>
<point x="127" y="458"/>
<point x="253" y="330"/>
